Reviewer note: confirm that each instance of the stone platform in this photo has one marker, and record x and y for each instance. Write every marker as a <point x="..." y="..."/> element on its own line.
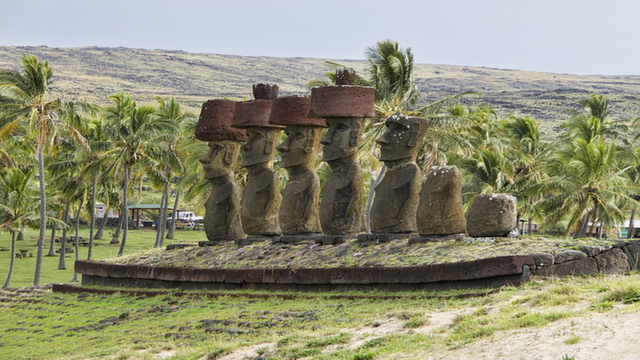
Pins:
<point x="483" y="273"/>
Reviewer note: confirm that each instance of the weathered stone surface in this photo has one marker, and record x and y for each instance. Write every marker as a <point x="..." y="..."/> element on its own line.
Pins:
<point x="568" y="255"/>
<point x="632" y="250"/>
<point x="263" y="91"/>
<point x="440" y="210"/>
<point x="584" y="266"/>
<point x="215" y="121"/>
<point x="292" y="110"/>
<point x="492" y="215"/>
<point x="397" y="195"/>
<point x="370" y="239"/>
<point x="253" y="113"/>
<point x="345" y="76"/>
<point x="483" y="268"/>
<point x="222" y="216"/>
<point x="436" y="238"/>
<point x="542" y="260"/>
<point x="261" y="195"/>
<point x="342" y="101"/>
<point x="342" y="207"/>
<point x="593" y="250"/>
<point x="613" y="261"/>
<point x="299" y="211"/>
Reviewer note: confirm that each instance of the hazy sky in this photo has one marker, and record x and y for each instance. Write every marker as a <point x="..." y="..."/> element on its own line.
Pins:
<point x="560" y="36"/>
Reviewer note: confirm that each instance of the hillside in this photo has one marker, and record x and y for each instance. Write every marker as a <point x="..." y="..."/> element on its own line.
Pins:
<point x="94" y="73"/>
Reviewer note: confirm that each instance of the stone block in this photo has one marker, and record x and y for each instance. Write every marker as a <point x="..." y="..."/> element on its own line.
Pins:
<point x="580" y="267"/>
<point x="440" y="211"/>
<point x="568" y="255"/>
<point x="492" y="215"/>
<point x="593" y="250"/>
<point x="613" y="261"/>
<point x="542" y="260"/>
<point x="632" y="250"/>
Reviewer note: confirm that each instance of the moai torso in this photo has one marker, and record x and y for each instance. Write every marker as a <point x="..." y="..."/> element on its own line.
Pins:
<point x="397" y="195"/>
<point x="345" y="107"/>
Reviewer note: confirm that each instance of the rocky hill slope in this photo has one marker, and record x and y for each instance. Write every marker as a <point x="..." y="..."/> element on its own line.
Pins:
<point x="94" y="73"/>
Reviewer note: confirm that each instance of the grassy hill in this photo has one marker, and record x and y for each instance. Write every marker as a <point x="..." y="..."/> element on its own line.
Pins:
<point x="94" y="73"/>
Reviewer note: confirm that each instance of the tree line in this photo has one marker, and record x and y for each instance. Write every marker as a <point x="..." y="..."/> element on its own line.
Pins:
<point x="59" y="157"/>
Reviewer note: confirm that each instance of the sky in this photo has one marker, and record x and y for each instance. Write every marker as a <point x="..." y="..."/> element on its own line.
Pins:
<point x="583" y="37"/>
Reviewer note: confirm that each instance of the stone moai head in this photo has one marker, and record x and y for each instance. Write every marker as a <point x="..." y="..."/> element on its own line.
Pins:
<point x="342" y="138"/>
<point x="254" y="117"/>
<point x="303" y="133"/>
<point x="221" y="158"/>
<point x="344" y="106"/>
<point x="403" y="138"/>
<point x="214" y="126"/>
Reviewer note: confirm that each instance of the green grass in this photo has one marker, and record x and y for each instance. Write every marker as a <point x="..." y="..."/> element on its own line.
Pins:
<point x="138" y="240"/>
<point x="195" y="326"/>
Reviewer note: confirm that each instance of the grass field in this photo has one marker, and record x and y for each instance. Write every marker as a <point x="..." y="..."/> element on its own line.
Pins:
<point x="237" y="325"/>
<point x="23" y="275"/>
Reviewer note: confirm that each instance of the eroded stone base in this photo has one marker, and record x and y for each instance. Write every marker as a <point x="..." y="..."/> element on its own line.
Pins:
<point x="371" y="239"/>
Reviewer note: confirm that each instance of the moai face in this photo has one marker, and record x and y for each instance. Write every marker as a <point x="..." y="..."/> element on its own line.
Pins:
<point x="220" y="160"/>
<point x="260" y="146"/>
<point x="299" y="147"/>
<point x="342" y="138"/>
<point x="402" y="138"/>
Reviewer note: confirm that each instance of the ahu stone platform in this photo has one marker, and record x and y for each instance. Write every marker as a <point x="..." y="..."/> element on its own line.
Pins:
<point x="483" y="273"/>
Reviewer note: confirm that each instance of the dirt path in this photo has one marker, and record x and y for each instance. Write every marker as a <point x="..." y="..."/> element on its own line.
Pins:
<point x="601" y="336"/>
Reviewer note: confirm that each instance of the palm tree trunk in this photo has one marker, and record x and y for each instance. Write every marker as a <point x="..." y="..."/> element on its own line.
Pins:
<point x="593" y="222"/>
<point x="530" y="227"/>
<point x="52" y="242"/>
<point x="93" y="217"/>
<point x="163" y="212"/>
<point x="159" y="226"/>
<point x="75" y="274"/>
<point x="172" y="226"/>
<point x="43" y="217"/>
<point x="13" y="260"/>
<point x="631" y="224"/>
<point x="100" y="232"/>
<point x="63" y="242"/>
<point x="125" y="210"/>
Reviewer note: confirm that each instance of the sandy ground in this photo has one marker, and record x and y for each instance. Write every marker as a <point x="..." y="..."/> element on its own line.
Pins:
<point x="611" y="335"/>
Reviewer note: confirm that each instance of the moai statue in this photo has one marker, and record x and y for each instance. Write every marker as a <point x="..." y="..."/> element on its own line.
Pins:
<point x="345" y="107"/>
<point x="261" y="194"/>
<point x="393" y="212"/>
<point x="222" y="217"/>
<point x="440" y="212"/>
<point x="298" y="215"/>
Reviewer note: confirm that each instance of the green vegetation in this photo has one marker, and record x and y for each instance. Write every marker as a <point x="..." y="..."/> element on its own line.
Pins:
<point x="196" y="326"/>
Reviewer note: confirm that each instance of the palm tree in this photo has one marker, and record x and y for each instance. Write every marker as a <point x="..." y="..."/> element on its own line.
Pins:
<point x="18" y="208"/>
<point x="25" y="98"/>
<point x="169" y="109"/>
<point x="587" y="185"/>
<point x="133" y="131"/>
<point x="527" y="152"/>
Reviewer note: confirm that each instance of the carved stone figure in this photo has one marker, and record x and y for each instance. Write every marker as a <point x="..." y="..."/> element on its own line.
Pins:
<point x="345" y="106"/>
<point x="222" y="218"/>
<point x="397" y="195"/>
<point x="440" y="211"/>
<point x="261" y="194"/>
<point x="298" y="213"/>
<point x="492" y="215"/>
